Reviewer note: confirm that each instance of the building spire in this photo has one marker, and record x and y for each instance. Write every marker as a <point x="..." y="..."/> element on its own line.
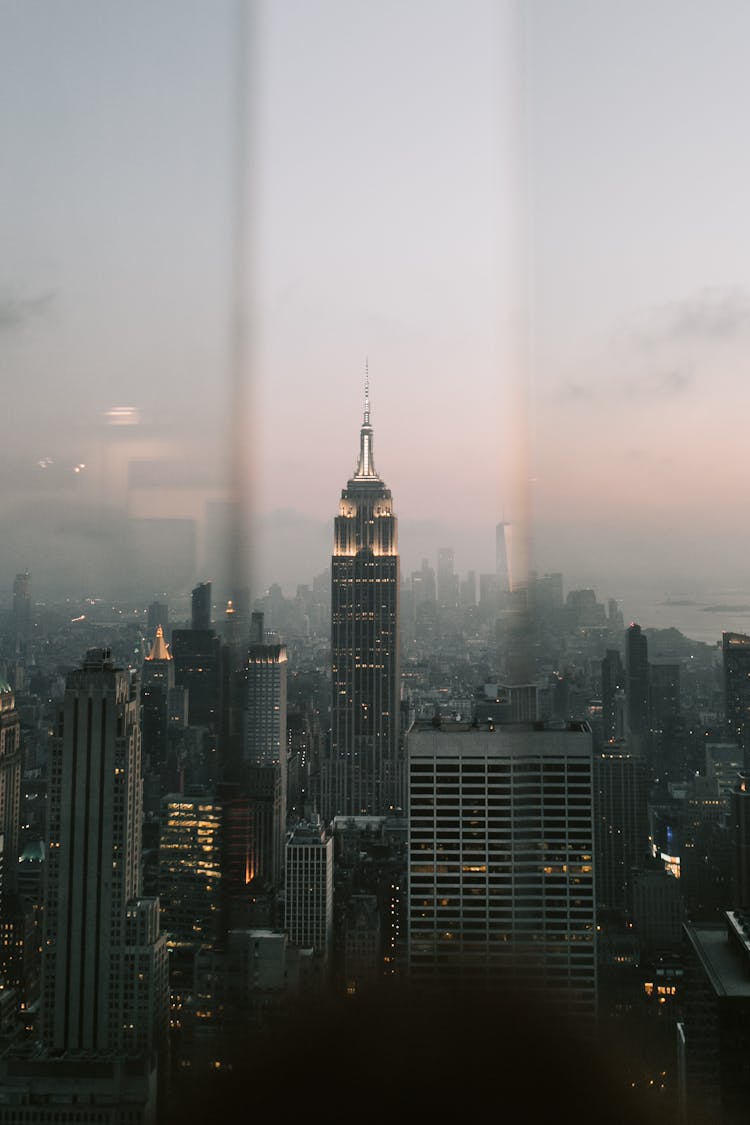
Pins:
<point x="366" y="465"/>
<point x="159" y="649"/>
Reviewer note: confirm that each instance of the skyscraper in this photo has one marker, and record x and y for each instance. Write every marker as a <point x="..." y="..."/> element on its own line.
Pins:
<point x="447" y="579"/>
<point x="501" y="868"/>
<point x="157" y="681"/>
<point x="201" y="606"/>
<point x="265" y="752"/>
<point x="613" y="696"/>
<point x="22" y="620"/>
<point x="363" y="773"/>
<point x="502" y="560"/>
<point x="309" y="889"/>
<point x="197" y="661"/>
<point x="736" y="653"/>
<point x="620" y="821"/>
<point x="636" y="665"/>
<point x="10" y="784"/>
<point x="105" y="963"/>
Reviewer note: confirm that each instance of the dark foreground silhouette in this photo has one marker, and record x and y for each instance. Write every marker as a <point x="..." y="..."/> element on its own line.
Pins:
<point x="443" y="1056"/>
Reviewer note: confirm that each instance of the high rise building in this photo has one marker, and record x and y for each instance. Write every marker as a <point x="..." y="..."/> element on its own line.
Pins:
<point x="363" y="773"/>
<point x="158" y="614"/>
<point x="621" y="821"/>
<point x="190" y="869"/>
<point x="197" y="662"/>
<point x="309" y="889"/>
<point x="104" y="960"/>
<point x="447" y="579"/>
<point x="467" y="595"/>
<point x="10" y="783"/>
<point x="740" y="828"/>
<point x="613" y="696"/>
<point x="665" y="727"/>
<point x="265" y="752"/>
<point x="423" y="585"/>
<point x="502" y="557"/>
<point x="736" y="652"/>
<point x="156" y="683"/>
<point x="636" y="667"/>
<point x="201" y="606"/>
<point x="22" y="618"/>
<point x="501" y="868"/>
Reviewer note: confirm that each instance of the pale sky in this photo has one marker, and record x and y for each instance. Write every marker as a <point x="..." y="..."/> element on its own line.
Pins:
<point x="531" y="221"/>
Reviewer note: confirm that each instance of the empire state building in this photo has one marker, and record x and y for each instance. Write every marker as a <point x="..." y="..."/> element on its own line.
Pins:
<point x="364" y="773"/>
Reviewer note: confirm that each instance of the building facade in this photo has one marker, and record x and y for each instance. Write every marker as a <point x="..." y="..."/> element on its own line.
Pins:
<point x="736" y="654"/>
<point x="265" y="753"/>
<point x="309" y="889"/>
<point x="104" y="969"/>
<point x="501" y="867"/>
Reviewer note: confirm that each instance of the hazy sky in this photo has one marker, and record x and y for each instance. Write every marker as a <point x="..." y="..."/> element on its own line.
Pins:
<point x="532" y="221"/>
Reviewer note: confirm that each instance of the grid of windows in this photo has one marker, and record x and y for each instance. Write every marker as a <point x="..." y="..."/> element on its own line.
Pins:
<point x="501" y="870"/>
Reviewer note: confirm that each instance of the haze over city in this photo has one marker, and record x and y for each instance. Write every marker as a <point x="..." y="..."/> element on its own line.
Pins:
<point x="374" y="607"/>
<point x="529" y="219"/>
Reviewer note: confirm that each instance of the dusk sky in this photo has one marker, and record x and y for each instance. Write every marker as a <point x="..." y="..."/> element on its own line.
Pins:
<point x="532" y="221"/>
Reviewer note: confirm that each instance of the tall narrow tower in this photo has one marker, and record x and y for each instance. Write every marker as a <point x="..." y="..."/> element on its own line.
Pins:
<point x="364" y="774"/>
<point x="104" y="961"/>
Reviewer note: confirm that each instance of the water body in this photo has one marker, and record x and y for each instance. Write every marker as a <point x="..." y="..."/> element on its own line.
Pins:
<point x="703" y="616"/>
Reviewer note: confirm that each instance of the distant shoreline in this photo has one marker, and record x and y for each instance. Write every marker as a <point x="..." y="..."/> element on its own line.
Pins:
<point x="726" y="608"/>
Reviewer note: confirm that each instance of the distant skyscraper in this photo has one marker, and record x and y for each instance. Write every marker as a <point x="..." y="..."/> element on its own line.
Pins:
<point x="613" y="696"/>
<point x="22" y="615"/>
<point x="197" y="662"/>
<point x="736" y="653"/>
<point x="363" y="773"/>
<point x="468" y="590"/>
<point x="636" y="666"/>
<point x="621" y="821"/>
<point x="447" y="579"/>
<point x="501" y="858"/>
<point x="502" y="557"/>
<point x="423" y="585"/>
<point x="265" y="752"/>
<point x="104" y="961"/>
<point x="664" y="714"/>
<point x="158" y="614"/>
<point x="201" y="606"/>
<point x="157" y="681"/>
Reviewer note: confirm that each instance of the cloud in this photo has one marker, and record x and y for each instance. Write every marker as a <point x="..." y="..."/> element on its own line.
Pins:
<point x="715" y="314"/>
<point x="16" y="310"/>
<point x="649" y="385"/>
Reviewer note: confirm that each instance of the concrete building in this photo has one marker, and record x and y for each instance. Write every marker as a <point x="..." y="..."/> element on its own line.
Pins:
<point x="104" y="968"/>
<point x="104" y="1003"/>
<point x="714" y="1027"/>
<point x="501" y="864"/>
<point x="190" y="853"/>
<point x="10" y="784"/>
<point x="735" y="649"/>
<point x="637" y="679"/>
<point x="309" y="889"/>
<point x="621" y="822"/>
